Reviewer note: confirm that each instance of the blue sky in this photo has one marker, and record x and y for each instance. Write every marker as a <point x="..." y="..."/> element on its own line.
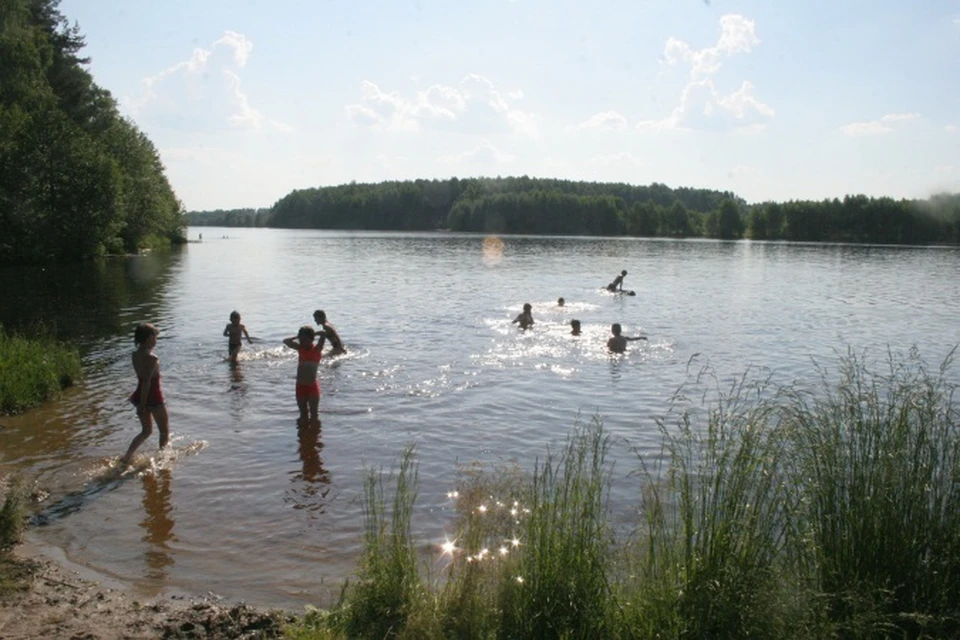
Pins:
<point x="247" y="100"/>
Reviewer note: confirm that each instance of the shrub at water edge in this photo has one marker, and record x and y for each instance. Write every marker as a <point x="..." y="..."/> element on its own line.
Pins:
<point x="33" y="370"/>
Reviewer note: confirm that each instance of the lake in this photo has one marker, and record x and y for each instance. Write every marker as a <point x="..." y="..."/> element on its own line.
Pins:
<point x="247" y="507"/>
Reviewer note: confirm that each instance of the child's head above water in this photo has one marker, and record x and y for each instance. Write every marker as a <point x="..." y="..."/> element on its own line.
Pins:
<point x="144" y="332"/>
<point x="306" y="335"/>
<point x="319" y="316"/>
<point x="575" y="327"/>
<point x="616" y="328"/>
<point x="234" y="317"/>
<point x="527" y="307"/>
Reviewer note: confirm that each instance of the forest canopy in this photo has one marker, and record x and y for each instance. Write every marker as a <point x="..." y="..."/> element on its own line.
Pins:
<point x="77" y="179"/>
<point x="564" y="207"/>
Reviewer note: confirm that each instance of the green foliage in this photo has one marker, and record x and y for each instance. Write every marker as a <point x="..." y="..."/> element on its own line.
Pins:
<point x="878" y="462"/>
<point x="772" y="512"/>
<point x="33" y="370"/>
<point x="389" y="590"/>
<point x="77" y="180"/>
<point x="12" y="513"/>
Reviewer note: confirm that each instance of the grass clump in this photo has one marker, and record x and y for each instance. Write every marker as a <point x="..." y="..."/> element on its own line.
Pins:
<point x="33" y="370"/>
<point x="878" y="467"/>
<point x="771" y="512"/>
<point x="13" y="573"/>
<point x="389" y="593"/>
<point x="712" y="556"/>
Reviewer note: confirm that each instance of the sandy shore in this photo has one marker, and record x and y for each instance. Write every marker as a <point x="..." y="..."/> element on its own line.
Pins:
<point x="57" y="602"/>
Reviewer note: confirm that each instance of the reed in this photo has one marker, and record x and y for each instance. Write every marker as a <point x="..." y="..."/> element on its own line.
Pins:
<point x="33" y="370"/>
<point x="12" y="513"/>
<point x="877" y="459"/>
<point x="560" y="584"/>
<point x="770" y="512"/>
<point x="389" y="592"/>
<point x="712" y="558"/>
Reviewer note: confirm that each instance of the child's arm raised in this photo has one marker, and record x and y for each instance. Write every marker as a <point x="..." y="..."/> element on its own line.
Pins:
<point x="292" y="343"/>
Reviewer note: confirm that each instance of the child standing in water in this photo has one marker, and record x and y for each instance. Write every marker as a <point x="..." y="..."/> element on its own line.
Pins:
<point x="617" y="342"/>
<point x="148" y="398"/>
<point x="525" y="319"/>
<point x="308" y="361"/>
<point x="234" y="333"/>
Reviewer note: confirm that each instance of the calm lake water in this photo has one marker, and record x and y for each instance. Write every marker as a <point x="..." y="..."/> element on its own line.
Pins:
<point x="247" y="508"/>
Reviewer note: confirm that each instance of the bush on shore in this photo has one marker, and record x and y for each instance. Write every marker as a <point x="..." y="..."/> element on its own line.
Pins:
<point x="33" y="370"/>
<point x="787" y="513"/>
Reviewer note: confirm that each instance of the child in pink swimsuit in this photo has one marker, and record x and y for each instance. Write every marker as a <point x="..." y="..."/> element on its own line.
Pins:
<point x="148" y="398"/>
<point x="308" y="361"/>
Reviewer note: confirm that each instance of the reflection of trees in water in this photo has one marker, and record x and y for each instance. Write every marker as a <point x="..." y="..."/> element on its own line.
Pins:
<point x="86" y="301"/>
<point x="312" y="480"/>
<point x="157" y="523"/>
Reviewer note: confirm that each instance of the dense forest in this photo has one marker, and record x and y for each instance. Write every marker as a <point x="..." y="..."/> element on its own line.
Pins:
<point x="77" y="180"/>
<point x="563" y="207"/>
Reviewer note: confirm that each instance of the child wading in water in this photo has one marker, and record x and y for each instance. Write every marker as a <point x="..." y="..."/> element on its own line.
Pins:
<point x="234" y="332"/>
<point x="148" y="398"/>
<point x="308" y="388"/>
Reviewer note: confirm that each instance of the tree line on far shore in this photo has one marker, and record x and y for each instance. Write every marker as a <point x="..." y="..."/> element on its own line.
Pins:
<point x="77" y="180"/>
<point x="526" y="205"/>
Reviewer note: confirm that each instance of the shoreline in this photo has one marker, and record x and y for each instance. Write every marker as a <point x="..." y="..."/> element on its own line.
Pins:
<point x="58" y="598"/>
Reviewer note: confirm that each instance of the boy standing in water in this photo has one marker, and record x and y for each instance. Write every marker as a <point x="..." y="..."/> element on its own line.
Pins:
<point x="618" y="343"/>
<point x="525" y="319"/>
<point x="617" y="282"/>
<point x="148" y="398"/>
<point x="331" y="334"/>
<point x="235" y="332"/>
<point x="308" y="361"/>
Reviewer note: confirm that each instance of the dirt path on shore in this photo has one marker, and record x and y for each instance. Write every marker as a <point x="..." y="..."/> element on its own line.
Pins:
<point x="54" y="602"/>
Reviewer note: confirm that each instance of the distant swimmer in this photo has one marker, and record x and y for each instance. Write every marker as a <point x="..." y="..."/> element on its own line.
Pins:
<point x="561" y="302"/>
<point x="574" y="327"/>
<point x="525" y="319"/>
<point x="617" y="282"/>
<point x="328" y="330"/>
<point x="235" y="332"/>
<point x="148" y="398"/>
<point x="618" y="343"/>
<point x="308" y="361"/>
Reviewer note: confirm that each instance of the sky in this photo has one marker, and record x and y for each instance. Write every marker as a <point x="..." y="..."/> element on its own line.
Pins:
<point x="247" y="100"/>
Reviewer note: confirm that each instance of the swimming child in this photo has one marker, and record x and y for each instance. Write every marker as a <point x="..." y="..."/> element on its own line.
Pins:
<point x="235" y="332"/>
<point x="617" y="282"/>
<point x="331" y="334"/>
<point x="574" y="327"/>
<point x="525" y="319"/>
<point x="148" y="398"/>
<point x="618" y="343"/>
<point x="308" y="388"/>
<point x="561" y="302"/>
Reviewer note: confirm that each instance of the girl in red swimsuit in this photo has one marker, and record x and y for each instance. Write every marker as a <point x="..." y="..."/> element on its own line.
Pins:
<point x="148" y="398"/>
<point x="308" y="361"/>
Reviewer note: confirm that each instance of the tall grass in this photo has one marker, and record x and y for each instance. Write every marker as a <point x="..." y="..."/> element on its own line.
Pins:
<point x="877" y="457"/>
<point x="771" y="512"/>
<point x="560" y="586"/>
<point x="712" y="558"/>
<point x="33" y="370"/>
<point x="389" y="591"/>
<point x="12" y="513"/>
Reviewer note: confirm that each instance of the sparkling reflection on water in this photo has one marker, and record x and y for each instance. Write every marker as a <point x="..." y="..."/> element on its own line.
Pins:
<point x="246" y="506"/>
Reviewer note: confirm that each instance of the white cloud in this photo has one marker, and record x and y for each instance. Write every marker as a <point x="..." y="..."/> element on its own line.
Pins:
<point x="486" y="154"/>
<point x="877" y="127"/>
<point x="474" y="105"/>
<point x="606" y="121"/>
<point x="203" y="92"/>
<point x="702" y="106"/>
<point x="951" y="128"/>
<point x="737" y="35"/>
